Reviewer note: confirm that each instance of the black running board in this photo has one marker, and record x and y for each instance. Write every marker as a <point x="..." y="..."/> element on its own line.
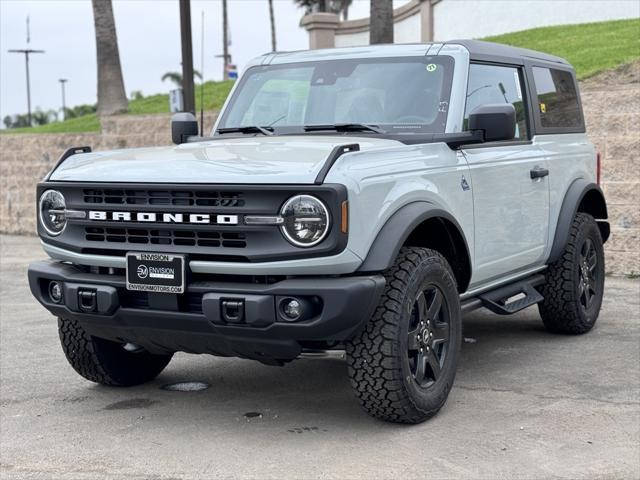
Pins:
<point x="500" y="300"/>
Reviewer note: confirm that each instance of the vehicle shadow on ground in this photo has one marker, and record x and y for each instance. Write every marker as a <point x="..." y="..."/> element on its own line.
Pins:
<point x="308" y="393"/>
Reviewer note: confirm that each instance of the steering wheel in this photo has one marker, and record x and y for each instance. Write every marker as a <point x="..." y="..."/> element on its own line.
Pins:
<point x="410" y="119"/>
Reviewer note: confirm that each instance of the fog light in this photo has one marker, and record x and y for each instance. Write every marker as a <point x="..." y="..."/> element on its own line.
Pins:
<point x="292" y="309"/>
<point x="55" y="292"/>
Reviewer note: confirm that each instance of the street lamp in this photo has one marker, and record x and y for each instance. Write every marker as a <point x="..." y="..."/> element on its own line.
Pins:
<point x="64" y="107"/>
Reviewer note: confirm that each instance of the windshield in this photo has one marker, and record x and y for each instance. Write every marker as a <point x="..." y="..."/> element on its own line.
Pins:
<point x="407" y="94"/>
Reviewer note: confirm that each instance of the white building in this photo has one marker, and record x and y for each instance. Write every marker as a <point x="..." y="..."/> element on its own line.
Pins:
<point x="435" y="20"/>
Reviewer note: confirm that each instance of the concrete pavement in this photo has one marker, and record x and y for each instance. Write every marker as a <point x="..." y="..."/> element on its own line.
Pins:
<point x="525" y="404"/>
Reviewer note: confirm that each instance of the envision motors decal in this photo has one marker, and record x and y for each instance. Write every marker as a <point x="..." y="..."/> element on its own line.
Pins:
<point x="151" y="217"/>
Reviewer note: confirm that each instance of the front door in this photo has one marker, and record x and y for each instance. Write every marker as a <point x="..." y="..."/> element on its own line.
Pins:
<point x="511" y="209"/>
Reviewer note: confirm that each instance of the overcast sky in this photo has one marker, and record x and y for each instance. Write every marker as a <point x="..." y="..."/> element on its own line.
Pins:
<point x="149" y="41"/>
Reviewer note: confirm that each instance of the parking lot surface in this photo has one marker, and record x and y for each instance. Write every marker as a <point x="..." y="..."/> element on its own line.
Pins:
<point x="525" y="404"/>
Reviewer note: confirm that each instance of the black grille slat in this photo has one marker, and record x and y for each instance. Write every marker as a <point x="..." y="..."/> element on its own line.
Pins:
<point x="166" y="237"/>
<point x="176" y="235"/>
<point x="184" y="198"/>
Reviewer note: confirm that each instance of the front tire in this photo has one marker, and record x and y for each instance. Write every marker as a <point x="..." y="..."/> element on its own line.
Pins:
<point x="403" y="363"/>
<point x="574" y="284"/>
<point x="106" y="362"/>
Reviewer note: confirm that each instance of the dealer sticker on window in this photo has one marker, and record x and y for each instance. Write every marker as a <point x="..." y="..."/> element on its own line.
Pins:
<point x="155" y="272"/>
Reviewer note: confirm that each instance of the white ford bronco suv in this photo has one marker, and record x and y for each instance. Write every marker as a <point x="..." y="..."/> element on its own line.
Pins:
<point x="356" y="199"/>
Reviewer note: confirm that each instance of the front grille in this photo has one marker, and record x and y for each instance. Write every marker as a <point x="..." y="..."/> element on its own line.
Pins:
<point x="166" y="237"/>
<point x="202" y="241"/>
<point x="193" y="198"/>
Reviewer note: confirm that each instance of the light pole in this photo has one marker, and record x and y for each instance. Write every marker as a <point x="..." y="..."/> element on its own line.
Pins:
<point x="26" y="52"/>
<point x="64" y="106"/>
<point x="189" y="102"/>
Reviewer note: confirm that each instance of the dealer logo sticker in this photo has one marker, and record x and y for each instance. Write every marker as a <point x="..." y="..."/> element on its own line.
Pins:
<point x="143" y="271"/>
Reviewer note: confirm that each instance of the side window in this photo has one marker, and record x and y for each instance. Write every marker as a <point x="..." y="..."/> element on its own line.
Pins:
<point x="495" y="84"/>
<point x="557" y="98"/>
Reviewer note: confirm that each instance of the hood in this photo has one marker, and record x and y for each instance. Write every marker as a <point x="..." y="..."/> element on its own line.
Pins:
<point x="275" y="160"/>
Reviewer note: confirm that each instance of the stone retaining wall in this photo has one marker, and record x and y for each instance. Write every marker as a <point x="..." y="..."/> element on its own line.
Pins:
<point x="612" y="110"/>
<point x="611" y="103"/>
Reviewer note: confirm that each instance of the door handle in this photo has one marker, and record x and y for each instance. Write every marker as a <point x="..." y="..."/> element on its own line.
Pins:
<point x="538" y="172"/>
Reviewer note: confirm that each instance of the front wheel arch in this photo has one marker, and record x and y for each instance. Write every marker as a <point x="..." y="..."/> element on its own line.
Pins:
<point x="421" y="224"/>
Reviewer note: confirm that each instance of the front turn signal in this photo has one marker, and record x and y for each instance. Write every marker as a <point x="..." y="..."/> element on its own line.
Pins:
<point x="344" y="224"/>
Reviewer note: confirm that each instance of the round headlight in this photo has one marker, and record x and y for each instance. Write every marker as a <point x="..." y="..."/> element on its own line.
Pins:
<point x="306" y="220"/>
<point x="51" y="212"/>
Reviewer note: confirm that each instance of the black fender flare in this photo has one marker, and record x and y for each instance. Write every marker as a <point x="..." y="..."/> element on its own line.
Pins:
<point x="397" y="229"/>
<point x="573" y="198"/>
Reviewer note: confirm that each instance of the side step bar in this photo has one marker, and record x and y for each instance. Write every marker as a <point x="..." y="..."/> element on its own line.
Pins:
<point x="502" y="301"/>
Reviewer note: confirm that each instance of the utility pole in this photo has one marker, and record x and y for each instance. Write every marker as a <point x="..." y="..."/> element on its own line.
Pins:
<point x="273" y="27"/>
<point x="225" y="41"/>
<point x="64" y="104"/>
<point x="26" y="52"/>
<point x="188" y="93"/>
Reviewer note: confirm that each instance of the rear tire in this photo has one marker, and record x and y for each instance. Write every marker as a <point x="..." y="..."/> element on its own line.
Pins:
<point x="106" y="362"/>
<point x="574" y="284"/>
<point x="403" y="363"/>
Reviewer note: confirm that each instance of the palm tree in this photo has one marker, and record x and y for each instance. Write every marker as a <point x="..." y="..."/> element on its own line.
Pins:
<point x="112" y="98"/>
<point x="344" y="8"/>
<point x="176" y="77"/>
<point x="311" y="6"/>
<point x="273" y="26"/>
<point x="381" y="22"/>
<point x="330" y="6"/>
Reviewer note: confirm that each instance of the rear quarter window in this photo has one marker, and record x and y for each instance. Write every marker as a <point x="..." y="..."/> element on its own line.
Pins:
<point x="557" y="99"/>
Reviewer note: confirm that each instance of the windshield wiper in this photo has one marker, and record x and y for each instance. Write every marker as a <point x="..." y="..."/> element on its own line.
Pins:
<point x="247" y="129"/>
<point x="345" y="127"/>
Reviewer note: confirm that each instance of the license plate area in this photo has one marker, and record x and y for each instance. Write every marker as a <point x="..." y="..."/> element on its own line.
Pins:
<point x="155" y="272"/>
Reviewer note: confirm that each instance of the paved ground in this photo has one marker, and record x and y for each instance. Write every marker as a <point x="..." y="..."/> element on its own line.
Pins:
<point x="525" y="404"/>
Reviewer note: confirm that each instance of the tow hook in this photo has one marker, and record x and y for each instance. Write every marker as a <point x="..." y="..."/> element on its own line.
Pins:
<point x="233" y="311"/>
<point x="87" y="300"/>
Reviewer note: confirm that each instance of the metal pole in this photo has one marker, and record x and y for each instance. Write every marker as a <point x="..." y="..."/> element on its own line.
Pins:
<point x="64" y="103"/>
<point x="26" y="53"/>
<point x="26" y="62"/>
<point x="188" y="93"/>
<point x="225" y="41"/>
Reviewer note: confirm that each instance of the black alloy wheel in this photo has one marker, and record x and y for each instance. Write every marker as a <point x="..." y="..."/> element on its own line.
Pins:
<point x="428" y="337"/>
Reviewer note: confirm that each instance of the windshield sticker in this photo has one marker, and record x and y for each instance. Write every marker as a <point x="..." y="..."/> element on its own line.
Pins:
<point x="432" y="67"/>
<point x="518" y="91"/>
<point x="442" y="108"/>
<point x="543" y="108"/>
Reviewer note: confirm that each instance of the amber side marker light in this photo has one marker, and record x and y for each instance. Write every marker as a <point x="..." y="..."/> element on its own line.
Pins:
<point x="598" y="167"/>
<point x="344" y="224"/>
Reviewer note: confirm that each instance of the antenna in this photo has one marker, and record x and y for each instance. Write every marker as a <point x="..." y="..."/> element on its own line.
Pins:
<point x="202" y="78"/>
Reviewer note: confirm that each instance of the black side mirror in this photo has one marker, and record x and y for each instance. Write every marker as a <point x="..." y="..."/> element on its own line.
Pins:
<point x="497" y="121"/>
<point x="183" y="126"/>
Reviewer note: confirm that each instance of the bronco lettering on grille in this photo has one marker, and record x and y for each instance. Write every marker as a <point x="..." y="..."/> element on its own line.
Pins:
<point x="152" y="217"/>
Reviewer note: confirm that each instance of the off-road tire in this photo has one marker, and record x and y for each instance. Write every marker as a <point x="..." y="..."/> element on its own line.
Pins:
<point x="379" y="371"/>
<point x="562" y="310"/>
<point x="106" y="362"/>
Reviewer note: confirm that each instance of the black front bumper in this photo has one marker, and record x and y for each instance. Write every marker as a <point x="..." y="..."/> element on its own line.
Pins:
<point x="194" y="322"/>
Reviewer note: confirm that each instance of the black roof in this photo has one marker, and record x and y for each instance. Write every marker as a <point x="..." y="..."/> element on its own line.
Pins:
<point x="488" y="51"/>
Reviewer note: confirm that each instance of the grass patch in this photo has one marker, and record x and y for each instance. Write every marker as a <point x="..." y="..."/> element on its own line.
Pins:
<point x="215" y="93"/>
<point x="590" y="47"/>
<point x="85" y="123"/>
